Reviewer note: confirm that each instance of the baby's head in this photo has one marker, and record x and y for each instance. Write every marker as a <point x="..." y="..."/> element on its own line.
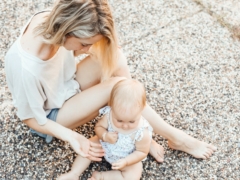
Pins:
<point x="127" y="100"/>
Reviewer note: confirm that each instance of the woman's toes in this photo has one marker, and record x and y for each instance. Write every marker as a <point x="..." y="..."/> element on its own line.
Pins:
<point x="212" y="147"/>
<point x="207" y="155"/>
<point x="210" y="152"/>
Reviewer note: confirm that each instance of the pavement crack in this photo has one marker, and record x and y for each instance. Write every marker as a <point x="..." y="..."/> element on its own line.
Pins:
<point x="235" y="31"/>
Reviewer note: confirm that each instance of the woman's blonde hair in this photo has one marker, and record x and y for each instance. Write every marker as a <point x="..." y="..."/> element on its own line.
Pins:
<point x="128" y="93"/>
<point x="84" y="19"/>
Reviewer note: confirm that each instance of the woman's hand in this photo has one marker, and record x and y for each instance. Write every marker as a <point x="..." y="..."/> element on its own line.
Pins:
<point x="85" y="148"/>
<point x="120" y="164"/>
<point x="79" y="143"/>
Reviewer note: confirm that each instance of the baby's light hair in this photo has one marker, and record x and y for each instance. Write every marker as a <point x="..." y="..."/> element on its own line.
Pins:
<point x="128" y="94"/>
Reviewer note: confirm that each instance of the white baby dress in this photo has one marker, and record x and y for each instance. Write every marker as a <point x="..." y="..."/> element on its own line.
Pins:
<point x="125" y="144"/>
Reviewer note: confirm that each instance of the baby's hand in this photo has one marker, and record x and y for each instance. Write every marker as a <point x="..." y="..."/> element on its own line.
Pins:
<point x="120" y="164"/>
<point x="111" y="137"/>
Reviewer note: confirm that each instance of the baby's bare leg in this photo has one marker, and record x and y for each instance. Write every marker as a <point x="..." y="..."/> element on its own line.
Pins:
<point x="79" y="166"/>
<point x="157" y="151"/>
<point x="132" y="172"/>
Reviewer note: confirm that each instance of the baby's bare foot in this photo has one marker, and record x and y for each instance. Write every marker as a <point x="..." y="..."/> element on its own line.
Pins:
<point x="96" y="176"/>
<point x="68" y="176"/>
<point x="190" y="145"/>
<point x="157" y="151"/>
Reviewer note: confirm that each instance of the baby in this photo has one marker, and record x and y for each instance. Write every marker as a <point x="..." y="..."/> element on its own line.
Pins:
<point x="123" y="133"/>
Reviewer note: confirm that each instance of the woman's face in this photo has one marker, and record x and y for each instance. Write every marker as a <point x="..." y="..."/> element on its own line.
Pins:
<point x="81" y="44"/>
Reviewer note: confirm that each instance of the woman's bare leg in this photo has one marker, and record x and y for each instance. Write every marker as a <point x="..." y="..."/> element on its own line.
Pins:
<point x="177" y="139"/>
<point x="132" y="172"/>
<point x="85" y="105"/>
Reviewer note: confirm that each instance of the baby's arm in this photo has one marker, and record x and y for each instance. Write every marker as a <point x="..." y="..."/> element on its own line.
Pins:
<point x="142" y="150"/>
<point x="102" y="133"/>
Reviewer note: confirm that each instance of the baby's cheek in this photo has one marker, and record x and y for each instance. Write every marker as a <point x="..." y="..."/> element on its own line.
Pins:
<point x="118" y="125"/>
<point x="133" y="126"/>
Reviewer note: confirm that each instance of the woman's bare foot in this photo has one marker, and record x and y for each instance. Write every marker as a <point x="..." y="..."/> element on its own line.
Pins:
<point x="96" y="176"/>
<point x="157" y="151"/>
<point x="68" y="176"/>
<point x="190" y="145"/>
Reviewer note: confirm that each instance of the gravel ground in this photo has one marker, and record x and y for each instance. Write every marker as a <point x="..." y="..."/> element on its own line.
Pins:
<point x="185" y="53"/>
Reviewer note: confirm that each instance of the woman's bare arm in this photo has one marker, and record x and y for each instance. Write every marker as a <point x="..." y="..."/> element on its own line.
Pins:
<point x="79" y="143"/>
<point x="51" y="128"/>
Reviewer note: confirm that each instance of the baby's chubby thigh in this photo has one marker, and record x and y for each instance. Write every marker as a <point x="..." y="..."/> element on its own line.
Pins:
<point x="133" y="172"/>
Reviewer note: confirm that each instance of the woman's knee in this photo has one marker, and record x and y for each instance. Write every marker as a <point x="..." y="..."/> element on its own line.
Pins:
<point x="116" y="79"/>
<point x="112" y="81"/>
<point x="88" y="73"/>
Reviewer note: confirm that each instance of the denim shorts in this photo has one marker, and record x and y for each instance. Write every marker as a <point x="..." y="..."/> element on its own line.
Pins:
<point x="52" y="116"/>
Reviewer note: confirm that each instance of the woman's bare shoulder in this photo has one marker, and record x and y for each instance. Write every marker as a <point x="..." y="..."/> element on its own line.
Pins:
<point x="33" y="43"/>
<point x="35" y="21"/>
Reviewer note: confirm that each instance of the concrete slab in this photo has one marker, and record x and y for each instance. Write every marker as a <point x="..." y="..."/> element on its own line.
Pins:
<point x="136" y="19"/>
<point x="226" y="11"/>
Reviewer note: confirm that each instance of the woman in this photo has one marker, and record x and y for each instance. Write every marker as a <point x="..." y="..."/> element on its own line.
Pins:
<point x="45" y="82"/>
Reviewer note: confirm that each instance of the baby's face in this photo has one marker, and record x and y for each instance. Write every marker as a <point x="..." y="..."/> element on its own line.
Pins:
<point x="126" y="119"/>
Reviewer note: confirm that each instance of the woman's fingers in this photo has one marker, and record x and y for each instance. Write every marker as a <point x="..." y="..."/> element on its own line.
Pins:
<point x="96" y="148"/>
<point x="93" y="158"/>
<point x="96" y="154"/>
<point x="92" y="144"/>
<point x="86" y="148"/>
